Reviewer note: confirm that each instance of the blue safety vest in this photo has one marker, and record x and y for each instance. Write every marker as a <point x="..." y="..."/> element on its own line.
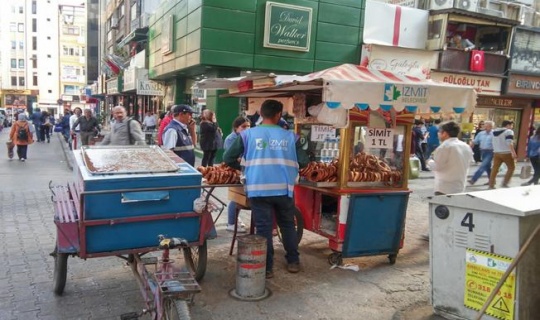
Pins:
<point x="271" y="164"/>
<point x="184" y="146"/>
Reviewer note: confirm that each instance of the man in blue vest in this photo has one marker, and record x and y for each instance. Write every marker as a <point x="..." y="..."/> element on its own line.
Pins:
<point x="271" y="170"/>
<point x="176" y="136"/>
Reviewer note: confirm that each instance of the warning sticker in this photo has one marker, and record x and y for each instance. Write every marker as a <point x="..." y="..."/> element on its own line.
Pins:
<point x="483" y="270"/>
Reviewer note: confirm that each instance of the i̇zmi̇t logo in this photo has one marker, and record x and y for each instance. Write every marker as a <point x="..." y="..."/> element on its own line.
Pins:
<point x="405" y="93"/>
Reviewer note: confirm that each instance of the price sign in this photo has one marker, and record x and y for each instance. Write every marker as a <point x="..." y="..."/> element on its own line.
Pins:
<point x="320" y="133"/>
<point x="382" y="138"/>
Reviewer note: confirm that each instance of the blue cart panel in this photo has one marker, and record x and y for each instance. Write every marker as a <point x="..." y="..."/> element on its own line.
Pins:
<point x="375" y="223"/>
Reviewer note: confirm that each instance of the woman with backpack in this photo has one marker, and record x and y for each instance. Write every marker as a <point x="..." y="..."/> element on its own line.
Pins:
<point x="21" y="135"/>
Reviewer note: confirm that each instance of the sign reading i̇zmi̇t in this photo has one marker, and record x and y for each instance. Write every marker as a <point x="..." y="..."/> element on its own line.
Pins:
<point x="287" y="27"/>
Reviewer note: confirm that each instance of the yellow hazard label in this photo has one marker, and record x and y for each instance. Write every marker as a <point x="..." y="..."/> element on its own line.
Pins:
<point x="483" y="270"/>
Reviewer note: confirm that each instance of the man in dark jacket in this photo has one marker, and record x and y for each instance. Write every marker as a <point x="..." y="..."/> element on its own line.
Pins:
<point x="89" y="126"/>
<point x="36" y="121"/>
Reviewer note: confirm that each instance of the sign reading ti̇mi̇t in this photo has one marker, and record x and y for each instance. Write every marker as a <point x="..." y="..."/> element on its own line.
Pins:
<point x="287" y="27"/>
<point x="320" y="133"/>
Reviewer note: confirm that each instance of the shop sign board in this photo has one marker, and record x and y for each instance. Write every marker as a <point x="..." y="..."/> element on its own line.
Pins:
<point x="524" y="85"/>
<point x="150" y="88"/>
<point x="14" y="100"/>
<point x="412" y="62"/>
<point x="489" y="86"/>
<point x="524" y="51"/>
<point x="287" y="27"/>
<point x="167" y="35"/>
<point x="483" y="270"/>
<point x="113" y="86"/>
<point x="130" y="79"/>
<point x="380" y="138"/>
<point x="321" y="133"/>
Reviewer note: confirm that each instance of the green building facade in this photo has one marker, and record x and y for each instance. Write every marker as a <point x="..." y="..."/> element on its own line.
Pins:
<point x="193" y="39"/>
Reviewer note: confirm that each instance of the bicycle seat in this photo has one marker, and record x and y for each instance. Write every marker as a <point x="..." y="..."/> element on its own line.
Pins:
<point x="171" y="243"/>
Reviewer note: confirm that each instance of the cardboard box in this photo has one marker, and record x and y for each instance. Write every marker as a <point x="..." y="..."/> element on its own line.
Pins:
<point x="238" y="195"/>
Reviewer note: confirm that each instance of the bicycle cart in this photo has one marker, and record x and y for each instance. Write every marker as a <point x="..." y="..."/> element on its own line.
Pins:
<point x="122" y="200"/>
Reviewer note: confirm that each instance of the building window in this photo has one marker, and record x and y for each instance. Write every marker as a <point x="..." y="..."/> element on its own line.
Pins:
<point x="13" y="63"/>
<point x="34" y="7"/>
<point x="21" y="81"/>
<point x="21" y="63"/>
<point x="72" y="30"/>
<point x="49" y="19"/>
<point x="48" y="38"/>
<point x="49" y="73"/>
<point x="34" y="81"/>
<point x="34" y="61"/>
<point x="20" y="27"/>
<point x="12" y="9"/>
<point x="133" y="12"/>
<point x="21" y="10"/>
<point x="34" y="25"/>
<point x="21" y="45"/>
<point x="48" y="56"/>
<point x="13" y="45"/>
<point x="13" y="81"/>
<point x="49" y="91"/>
<point x="13" y="27"/>
<point x="34" y="43"/>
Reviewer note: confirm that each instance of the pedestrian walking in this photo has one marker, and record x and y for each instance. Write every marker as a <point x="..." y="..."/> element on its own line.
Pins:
<point x="271" y="170"/>
<point x="477" y="152"/>
<point x="21" y="136"/>
<point x="36" y="121"/>
<point x="149" y="121"/>
<point x="503" y="152"/>
<point x="419" y="138"/>
<point x="89" y="126"/>
<point x="484" y="141"/>
<point x="176" y="136"/>
<point x="533" y="152"/>
<point x="46" y="124"/>
<point x="433" y="137"/>
<point x="75" y="134"/>
<point x="450" y="161"/>
<point x="239" y="124"/>
<point x="124" y="131"/>
<point x="208" y="132"/>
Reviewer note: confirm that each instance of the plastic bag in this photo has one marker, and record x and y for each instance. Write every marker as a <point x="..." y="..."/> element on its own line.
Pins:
<point x="338" y="117"/>
<point x="316" y="109"/>
<point x="526" y="172"/>
<point x="199" y="204"/>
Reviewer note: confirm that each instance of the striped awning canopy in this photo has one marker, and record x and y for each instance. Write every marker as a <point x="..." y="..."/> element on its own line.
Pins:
<point x="348" y="86"/>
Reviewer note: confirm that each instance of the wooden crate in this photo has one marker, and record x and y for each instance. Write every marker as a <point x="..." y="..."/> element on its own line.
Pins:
<point x="238" y="195"/>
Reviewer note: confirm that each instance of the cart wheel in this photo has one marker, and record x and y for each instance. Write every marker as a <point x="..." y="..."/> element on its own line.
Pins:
<point x="392" y="258"/>
<point x="299" y="225"/>
<point x="60" y="272"/>
<point x="335" y="258"/>
<point x="176" y="309"/>
<point x="196" y="258"/>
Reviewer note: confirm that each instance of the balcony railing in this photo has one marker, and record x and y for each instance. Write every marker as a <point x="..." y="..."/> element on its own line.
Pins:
<point x="453" y="60"/>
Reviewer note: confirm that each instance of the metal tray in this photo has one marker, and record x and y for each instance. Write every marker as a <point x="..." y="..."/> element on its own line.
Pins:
<point x="107" y="160"/>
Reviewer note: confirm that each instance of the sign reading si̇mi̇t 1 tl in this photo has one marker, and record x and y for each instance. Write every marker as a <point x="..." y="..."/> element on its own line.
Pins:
<point x="381" y="138"/>
<point x="287" y="27"/>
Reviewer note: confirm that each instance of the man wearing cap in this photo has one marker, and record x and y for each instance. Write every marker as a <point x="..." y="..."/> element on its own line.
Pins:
<point x="177" y="137"/>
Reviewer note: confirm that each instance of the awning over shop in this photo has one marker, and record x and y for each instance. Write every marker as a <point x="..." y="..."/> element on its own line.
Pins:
<point x="348" y="86"/>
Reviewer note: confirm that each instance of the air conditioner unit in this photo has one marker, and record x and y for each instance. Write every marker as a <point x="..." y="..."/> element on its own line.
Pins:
<point x="441" y="4"/>
<point x="467" y="5"/>
<point x="527" y="16"/>
<point x="114" y="23"/>
<point x="521" y="13"/>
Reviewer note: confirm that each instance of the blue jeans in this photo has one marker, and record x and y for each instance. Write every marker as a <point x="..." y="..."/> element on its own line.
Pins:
<point x="231" y="213"/>
<point x="283" y="206"/>
<point x="487" y="157"/>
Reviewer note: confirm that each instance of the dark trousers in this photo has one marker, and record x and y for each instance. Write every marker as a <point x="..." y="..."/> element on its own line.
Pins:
<point x="535" y="163"/>
<point x="208" y="158"/>
<point x="263" y="209"/>
<point x="86" y="137"/>
<point x="420" y="155"/>
<point x="477" y="153"/>
<point x="39" y="135"/>
<point x="485" y="166"/>
<point x="22" y="151"/>
<point x="45" y="133"/>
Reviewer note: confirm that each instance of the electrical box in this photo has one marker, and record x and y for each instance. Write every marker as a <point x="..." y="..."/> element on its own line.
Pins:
<point x="473" y="239"/>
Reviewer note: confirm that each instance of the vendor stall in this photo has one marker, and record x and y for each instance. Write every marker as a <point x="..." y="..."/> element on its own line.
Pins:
<point x="355" y="125"/>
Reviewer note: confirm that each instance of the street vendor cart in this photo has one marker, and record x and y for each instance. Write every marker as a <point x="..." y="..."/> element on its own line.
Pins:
<point x="355" y="124"/>
<point x="128" y="201"/>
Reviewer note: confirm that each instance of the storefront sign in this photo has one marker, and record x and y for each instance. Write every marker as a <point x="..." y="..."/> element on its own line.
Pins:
<point x="113" y="86"/>
<point x="130" y="79"/>
<point x="167" y="35"/>
<point x="321" y="133"/>
<point x="14" y="100"/>
<point x="483" y="270"/>
<point x="150" y="88"/>
<point x="417" y="63"/>
<point x="489" y="86"/>
<point x="381" y="138"/>
<point x="521" y="84"/>
<point x="287" y="27"/>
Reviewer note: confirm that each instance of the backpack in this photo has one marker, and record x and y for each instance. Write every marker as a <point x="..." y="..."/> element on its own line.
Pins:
<point x="22" y="134"/>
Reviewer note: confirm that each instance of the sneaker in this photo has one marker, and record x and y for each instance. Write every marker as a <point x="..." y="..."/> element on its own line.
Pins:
<point x="293" y="267"/>
<point x="23" y="159"/>
<point x="486" y="184"/>
<point x="505" y="186"/>
<point x="471" y="182"/>
<point x="269" y="274"/>
<point x="240" y="229"/>
<point x="241" y="223"/>
<point x="524" y="184"/>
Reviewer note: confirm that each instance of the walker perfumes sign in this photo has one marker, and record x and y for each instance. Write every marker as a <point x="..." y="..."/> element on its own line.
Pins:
<point x="287" y="27"/>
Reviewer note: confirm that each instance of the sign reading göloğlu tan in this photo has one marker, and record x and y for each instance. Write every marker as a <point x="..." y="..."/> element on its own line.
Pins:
<point x="489" y="86"/>
<point x="287" y="26"/>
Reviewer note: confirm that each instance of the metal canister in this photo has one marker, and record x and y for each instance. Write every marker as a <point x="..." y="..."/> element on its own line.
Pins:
<point x="251" y="269"/>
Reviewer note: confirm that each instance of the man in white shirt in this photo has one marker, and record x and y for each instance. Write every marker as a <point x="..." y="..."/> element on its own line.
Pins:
<point x="451" y="160"/>
<point x="75" y="143"/>
<point x="149" y="121"/>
